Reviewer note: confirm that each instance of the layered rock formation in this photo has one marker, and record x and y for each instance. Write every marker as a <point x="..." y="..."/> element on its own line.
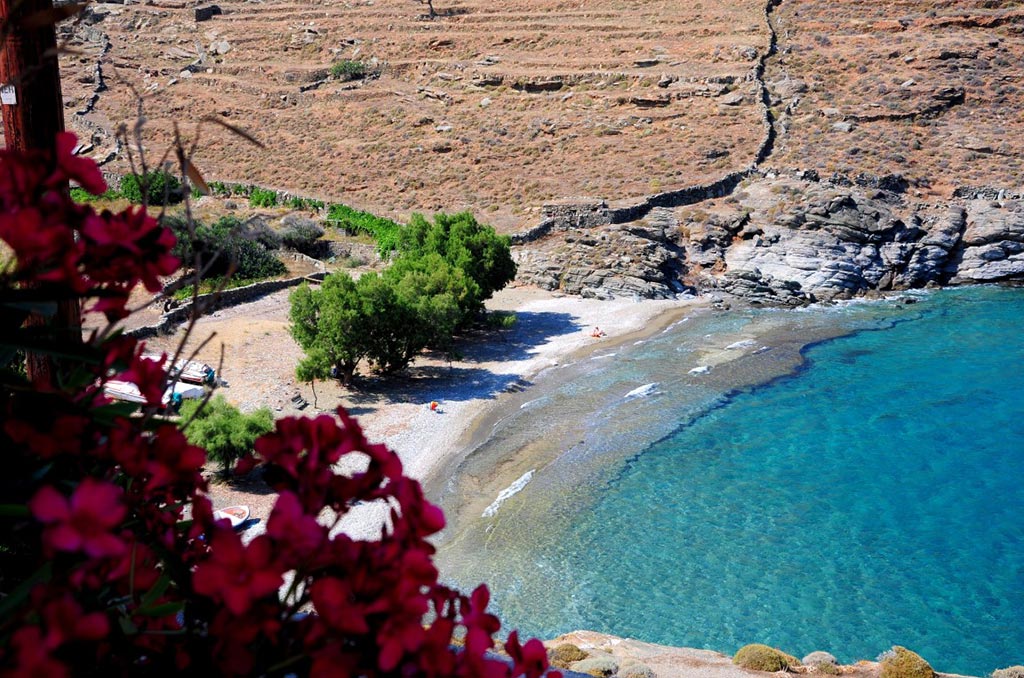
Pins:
<point x="786" y="240"/>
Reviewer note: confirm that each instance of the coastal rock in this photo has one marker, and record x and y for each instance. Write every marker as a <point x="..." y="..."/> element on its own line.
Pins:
<point x="819" y="657"/>
<point x="993" y="242"/>
<point x="837" y="246"/>
<point x="639" y="259"/>
<point x="837" y="241"/>
<point x="601" y="665"/>
<point x="929" y="260"/>
<point x="785" y="240"/>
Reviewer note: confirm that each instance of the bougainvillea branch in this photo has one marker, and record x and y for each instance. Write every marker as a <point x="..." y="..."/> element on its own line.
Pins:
<point x="111" y="559"/>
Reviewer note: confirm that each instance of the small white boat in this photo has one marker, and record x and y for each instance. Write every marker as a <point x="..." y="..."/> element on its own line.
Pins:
<point x="191" y="371"/>
<point x="129" y="392"/>
<point x="195" y="372"/>
<point x="236" y="515"/>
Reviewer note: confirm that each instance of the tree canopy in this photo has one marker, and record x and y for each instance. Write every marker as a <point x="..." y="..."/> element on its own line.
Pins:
<point x="441" y="274"/>
<point x="474" y="248"/>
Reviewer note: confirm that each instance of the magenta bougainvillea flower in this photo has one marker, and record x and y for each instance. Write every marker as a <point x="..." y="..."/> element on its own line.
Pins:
<point x="84" y="522"/>
<point x="113" y="562"/>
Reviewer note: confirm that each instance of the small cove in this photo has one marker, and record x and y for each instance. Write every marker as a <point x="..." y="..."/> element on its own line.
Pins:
<point x="841" y="478"/>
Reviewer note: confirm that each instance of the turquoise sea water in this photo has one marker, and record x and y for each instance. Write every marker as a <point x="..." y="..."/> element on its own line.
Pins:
<point x="872" y="495"/>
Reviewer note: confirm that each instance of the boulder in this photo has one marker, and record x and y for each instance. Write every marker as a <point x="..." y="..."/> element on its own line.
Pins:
<point x="993" y="242"/>
<point x="207" y="13"/>
<point x="822" y="662"/>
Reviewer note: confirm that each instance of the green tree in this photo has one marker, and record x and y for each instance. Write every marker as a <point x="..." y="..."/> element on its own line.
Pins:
<point x="392" y="327"/>
<point x="439" y="295"/>
<point x="223" y="429"/>
<point x="436" y="284"/>
<point x="329" y="324"/>
<point x="152" y="188"/>
<point x="483" y="255"/>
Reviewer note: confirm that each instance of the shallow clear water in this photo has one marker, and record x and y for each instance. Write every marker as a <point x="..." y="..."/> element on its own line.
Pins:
<point x="871" y="497"/>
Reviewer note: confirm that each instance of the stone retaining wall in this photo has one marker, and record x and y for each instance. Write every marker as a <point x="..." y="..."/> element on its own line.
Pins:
<point x="587" y="213"/>
<point x="206" y="303"/>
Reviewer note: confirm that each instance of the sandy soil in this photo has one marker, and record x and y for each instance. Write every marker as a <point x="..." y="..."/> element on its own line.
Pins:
<point x="256" y="358"/>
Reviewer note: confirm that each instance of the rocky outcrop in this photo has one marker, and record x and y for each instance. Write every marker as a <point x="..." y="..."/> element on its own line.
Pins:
<point x="639" y="259"/>
<point x="838" y="246"/>
<point x="636" y="658"/>
<point x="992" y="247"/>
<point x="786" y="241"/>
<point x="849" y="243"/>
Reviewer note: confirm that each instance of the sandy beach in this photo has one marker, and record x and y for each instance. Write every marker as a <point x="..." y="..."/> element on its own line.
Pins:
<point x="257" y="359"/>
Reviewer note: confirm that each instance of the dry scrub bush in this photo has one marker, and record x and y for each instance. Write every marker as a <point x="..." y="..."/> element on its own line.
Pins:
<point x="563" y="655"/>
<point x="763" y="658"/>
<point x="899" y="662"/>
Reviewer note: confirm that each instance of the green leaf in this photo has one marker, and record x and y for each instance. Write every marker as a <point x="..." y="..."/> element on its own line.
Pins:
<point x="158" y="590"/>
<point x="13" y="511"/>
<point x="20" y="593"/>
<point x="162" y="610"/>
<point x="127" y="626"/>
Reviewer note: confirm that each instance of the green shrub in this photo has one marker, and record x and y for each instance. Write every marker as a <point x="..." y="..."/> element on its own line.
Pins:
<point x="501" y="320"/>
<point x="152" y="188"/>
<point x="262" y="197"/>
<point x="297" y="203"/>
<point x="352" y="261"/>
<point x="80" y="195"/>
<point x="348" y="69"/>
<point x="821" y="662"/>
<point x="220" y="189"/>
<point x="254" y="261"/>
<point x="223" y="430"/>
<point x="262" y="233"/>
<point x="562" y="655"/>
<point x="301" y="234"/>
<point x="763" y="658"/>
<point x="631" y="668"/>
<point x="208" y="286"/>
<point x="229" y="246"/>
<point x="384" y="231"/>
<point x="899" y="662"/>
<point x="483" y="255"/>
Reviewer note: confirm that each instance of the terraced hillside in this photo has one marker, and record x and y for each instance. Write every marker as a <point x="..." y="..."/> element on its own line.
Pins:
<point x="494" y="106"/>
<point x="500" y="107"/>
<point x="929" y="90"/>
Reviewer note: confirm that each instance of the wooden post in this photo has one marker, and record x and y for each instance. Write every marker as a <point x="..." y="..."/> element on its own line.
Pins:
<point x="33" y="108"/>
<point x="33" y="113"/>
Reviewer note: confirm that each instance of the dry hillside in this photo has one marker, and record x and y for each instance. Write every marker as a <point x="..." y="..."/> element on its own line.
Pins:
<point x="499" y="107"/>
<point x="929" y="90"/>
